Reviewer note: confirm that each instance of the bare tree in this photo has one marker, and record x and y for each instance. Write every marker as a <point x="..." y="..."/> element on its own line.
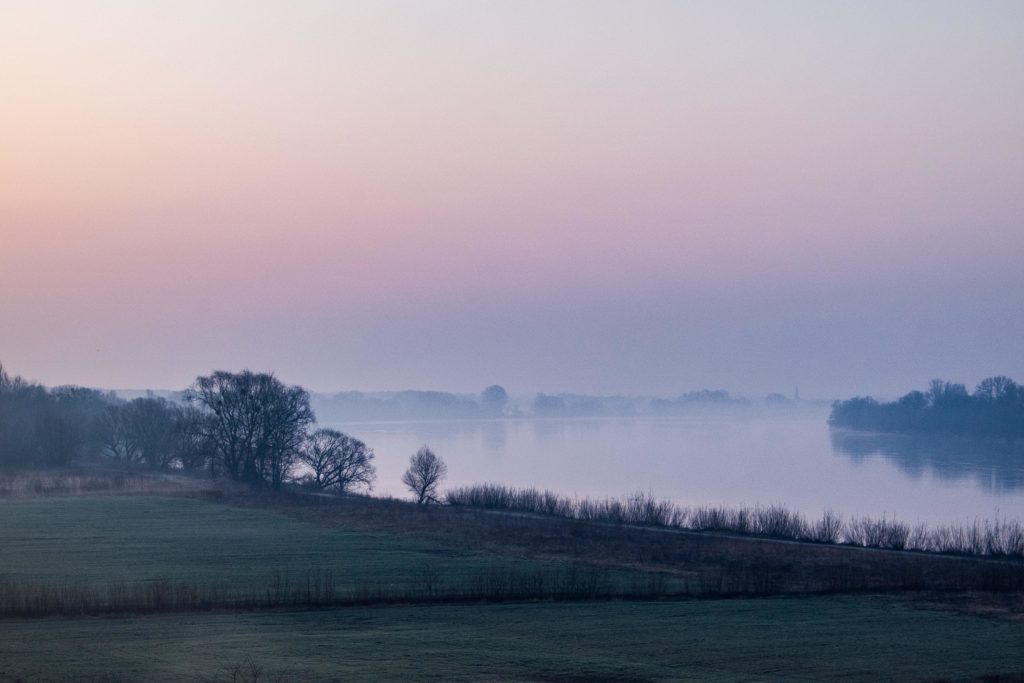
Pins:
<point x="195" y="449"/>
<point x="999" y="388"/>
<point x="28" y="423"/>
<point x="152" y="425"/>
<point x="425" y="473"/>
<point x="70" y="426"/>
<point x="10" y="383"/>
<point x="337" y="461"/>
<point x="256" y="424"/>
<point x="114" y="432"/>
<point x="284" y="422"/>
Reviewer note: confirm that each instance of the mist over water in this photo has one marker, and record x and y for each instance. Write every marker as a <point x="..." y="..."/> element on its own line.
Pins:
<point x="788" y="457"/>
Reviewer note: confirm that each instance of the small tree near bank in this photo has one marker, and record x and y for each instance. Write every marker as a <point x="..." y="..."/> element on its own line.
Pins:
<point x="424" y="475"/>
<point x="337" y="461"/>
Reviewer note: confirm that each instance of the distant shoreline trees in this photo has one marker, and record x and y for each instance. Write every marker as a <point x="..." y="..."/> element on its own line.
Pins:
<point x="493" y="400"/>
<point x="994" y="409"/>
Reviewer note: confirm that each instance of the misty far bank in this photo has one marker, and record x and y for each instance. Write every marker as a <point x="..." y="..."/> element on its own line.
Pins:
<point x="994" y="409"/>
<point x="495" y="402"/>
<point x="194" y="429"/>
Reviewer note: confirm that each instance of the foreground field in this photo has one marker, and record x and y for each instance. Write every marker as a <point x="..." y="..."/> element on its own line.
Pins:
<point x="431" y="593"/>
<point x="769" y="639"/>
<point x="103" y="554"/>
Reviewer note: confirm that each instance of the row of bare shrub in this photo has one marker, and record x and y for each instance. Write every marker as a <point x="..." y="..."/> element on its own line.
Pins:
<point x="999" y="538"/>
<point x="319" y="588"/>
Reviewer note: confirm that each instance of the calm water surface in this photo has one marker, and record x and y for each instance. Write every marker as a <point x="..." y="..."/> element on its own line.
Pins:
<point x="791" y="458"/>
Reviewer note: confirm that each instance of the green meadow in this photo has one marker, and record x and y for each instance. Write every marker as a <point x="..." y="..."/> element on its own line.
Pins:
<point x="95" y="541"/>
<point x="767" y="639"/>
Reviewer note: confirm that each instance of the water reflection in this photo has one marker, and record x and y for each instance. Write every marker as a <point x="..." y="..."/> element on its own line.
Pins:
<point x="996" y="465"/>
<point x="559" y="428"/>
<point x="495" y="435"/>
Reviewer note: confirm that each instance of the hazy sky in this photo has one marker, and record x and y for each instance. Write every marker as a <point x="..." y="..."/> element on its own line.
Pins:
<point x="638" y="197"/>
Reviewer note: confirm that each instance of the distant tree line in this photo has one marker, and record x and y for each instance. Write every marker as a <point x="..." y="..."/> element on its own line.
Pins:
<point x="995" y="408"/>
<point x="495" y="402"/>
<point x="246" y="426"/>
<point x="48" y="427"/>
<point x="492" y="402"/>
<point x="705" y="398"/>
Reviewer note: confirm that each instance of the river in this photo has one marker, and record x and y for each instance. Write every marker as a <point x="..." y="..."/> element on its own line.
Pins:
<point x="787" y="457"/>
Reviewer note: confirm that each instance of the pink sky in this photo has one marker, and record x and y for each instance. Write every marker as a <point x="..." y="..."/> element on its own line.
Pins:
<point x="591" y="196"/>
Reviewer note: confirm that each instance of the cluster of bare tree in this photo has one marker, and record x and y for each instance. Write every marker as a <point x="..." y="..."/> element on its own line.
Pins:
<point x="247" y="426"/>
<point x="336" y="461"/>
<point x="253" y="424"/>
<point x="155" y="432"/>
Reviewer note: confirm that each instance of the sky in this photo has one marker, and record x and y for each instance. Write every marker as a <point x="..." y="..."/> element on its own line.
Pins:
<point x="636" y="197"/>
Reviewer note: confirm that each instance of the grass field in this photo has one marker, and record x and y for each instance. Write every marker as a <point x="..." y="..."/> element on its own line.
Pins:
<point x="101" y="554"/>
<point x="132" y="538"/>
<point x="767" y="639"/>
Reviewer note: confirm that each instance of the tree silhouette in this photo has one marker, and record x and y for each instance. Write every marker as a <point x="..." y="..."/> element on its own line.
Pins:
<point x="424" y="475"/>
<point x="337" y="461"/>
